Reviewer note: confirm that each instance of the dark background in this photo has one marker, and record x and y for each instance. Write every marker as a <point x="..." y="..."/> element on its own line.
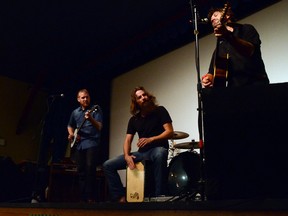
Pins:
<point x="72" y="43"/>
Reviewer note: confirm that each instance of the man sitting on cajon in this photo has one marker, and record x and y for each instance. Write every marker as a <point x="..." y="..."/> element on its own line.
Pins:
<point x="154" y="127"/>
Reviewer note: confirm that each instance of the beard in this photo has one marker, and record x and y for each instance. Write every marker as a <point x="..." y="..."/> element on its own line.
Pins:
<point x="148" y="106"/>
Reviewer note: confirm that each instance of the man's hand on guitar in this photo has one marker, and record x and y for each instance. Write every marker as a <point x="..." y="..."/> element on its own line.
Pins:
<point x="73" y="139"/>
<point x="219" y="21"/>
<point x="207" y="80"/>
<point x="221" y="31"/>
<point x="70" y="137"/>
<point x="88" y="116"/>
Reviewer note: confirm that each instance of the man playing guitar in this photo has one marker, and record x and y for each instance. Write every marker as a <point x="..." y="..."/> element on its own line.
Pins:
<point x="84" y="129"/>
<point x="239" y="44"/>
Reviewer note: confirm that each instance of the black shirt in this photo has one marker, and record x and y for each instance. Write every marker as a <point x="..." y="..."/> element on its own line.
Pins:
<point x="150" y="125"/>
<point x="243" y="70"/>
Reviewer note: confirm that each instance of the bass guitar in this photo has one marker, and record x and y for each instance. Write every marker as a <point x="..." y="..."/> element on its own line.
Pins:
<point x="221" y="62"/>
<point x="76" y="131"/>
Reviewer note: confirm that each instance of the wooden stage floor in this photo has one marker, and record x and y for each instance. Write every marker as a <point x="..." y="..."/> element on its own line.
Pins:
<point x="183" y="208"/>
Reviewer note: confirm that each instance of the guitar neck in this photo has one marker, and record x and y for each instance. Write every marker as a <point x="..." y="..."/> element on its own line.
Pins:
<point x="94" y="108"/>
<point x="221" y="62"/>
<point x="82" y="124"/>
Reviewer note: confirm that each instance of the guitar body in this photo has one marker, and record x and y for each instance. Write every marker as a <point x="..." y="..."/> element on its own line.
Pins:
<point x="221" y="71"/>
<point x="75" y="138"/>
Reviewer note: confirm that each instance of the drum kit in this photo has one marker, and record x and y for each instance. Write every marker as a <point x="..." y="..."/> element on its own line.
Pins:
<point x="185" y="145"/>
<point x="174" y="148"/>
<point x="184" y="167"/>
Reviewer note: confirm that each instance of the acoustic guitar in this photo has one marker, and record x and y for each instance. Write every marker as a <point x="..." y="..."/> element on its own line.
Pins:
<point x="221" y="62"/>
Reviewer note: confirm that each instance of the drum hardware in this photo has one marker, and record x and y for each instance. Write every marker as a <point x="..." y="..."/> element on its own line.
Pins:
<point x="188" y="145"/>
<point x="179" y="135"/>
<point x="184" y="176"/>
<point x="172" y="151"/>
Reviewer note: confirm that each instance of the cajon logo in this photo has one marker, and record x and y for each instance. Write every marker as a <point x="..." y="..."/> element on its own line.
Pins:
<point x="134" y="196"/>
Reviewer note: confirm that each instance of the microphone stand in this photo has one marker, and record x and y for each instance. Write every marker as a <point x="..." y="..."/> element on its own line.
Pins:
<point x="42" y="172"/>
<point x="200" y="105"/>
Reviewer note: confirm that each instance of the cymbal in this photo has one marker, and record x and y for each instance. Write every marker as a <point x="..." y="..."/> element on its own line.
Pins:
<point x="180" y="135"/>
<point x="187" y="145"/>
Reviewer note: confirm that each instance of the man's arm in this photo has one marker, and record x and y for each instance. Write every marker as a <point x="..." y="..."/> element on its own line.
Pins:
<point x="127" y="150"/>
<point x="96" y="124"/>
<point x="127" y="144"/>
<point x="166" y="134"/>
<point x="244" y="47"/>
<point x="70" y="133"/>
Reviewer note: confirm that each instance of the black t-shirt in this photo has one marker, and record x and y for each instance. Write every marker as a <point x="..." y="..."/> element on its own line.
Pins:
<point x="150" y="125"/>
<point x="243" y="70"/>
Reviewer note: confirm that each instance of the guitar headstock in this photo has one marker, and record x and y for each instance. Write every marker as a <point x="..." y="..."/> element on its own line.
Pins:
<point x="94" y="108"/>
<point x="224" y="11"/>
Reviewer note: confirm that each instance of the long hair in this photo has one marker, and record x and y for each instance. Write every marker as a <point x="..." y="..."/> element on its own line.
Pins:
<point x="134" y="107"/>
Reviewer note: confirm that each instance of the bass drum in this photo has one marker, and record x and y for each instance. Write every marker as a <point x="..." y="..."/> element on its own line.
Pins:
<point x="184" y="173"/>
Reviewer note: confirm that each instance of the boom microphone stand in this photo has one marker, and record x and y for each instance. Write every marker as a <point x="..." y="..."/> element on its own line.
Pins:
<point x="200" y="105"/>
<point x="193" y="189"/>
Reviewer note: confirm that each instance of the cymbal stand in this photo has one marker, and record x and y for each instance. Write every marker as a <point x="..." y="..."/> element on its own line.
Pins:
<point x="172" y="151"/>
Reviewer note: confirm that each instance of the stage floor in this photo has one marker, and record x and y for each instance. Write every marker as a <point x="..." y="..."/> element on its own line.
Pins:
<point x="200" y="208"/>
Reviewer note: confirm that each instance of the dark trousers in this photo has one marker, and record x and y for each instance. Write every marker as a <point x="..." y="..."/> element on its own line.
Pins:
<point x="87" y="161"/>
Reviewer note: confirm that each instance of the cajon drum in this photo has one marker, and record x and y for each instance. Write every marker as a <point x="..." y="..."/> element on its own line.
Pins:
<point x="135" y="181"/>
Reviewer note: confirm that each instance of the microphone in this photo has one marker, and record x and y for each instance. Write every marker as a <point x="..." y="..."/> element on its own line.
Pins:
<point x="201" y="21"/>
<point x="56" y="95"/>
<point x="204" y="20"/>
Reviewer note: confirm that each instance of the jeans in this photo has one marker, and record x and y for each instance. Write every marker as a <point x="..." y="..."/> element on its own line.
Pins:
<point x="158" y="156"/>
